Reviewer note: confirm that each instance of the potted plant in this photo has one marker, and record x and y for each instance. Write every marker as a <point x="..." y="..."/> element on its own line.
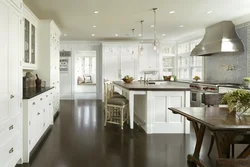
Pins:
<point x="246" y="81"/>
<point x="237" y="100"/>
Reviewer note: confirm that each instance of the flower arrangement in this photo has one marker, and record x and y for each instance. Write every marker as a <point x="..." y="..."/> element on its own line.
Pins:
<point x="238" y="100"/>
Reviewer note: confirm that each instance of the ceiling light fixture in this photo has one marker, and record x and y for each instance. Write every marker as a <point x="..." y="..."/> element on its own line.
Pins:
<point x="209" y="12"/>
<point x="65" y="35"/>
<point x="141" y="48"/>
<point x="94" y="26"/>
<point x="155" y="42"/>
<point x="172" y="12"/>
<point x="139" y="35"/>
<point x="163" y="34"/>
<point x="152" y="26"/>
<point x="116" y="35"/>
<point x="181" y="26"/>
<point x="96" y="12"/>
<point x="93" y="35"/>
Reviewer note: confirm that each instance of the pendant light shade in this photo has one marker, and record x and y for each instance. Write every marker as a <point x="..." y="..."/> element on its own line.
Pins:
<point x="155" y="42"/>
<point x="141" y="47"/>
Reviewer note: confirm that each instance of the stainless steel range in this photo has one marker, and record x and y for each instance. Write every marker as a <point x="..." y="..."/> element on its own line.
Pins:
<point x="199" y="88"/>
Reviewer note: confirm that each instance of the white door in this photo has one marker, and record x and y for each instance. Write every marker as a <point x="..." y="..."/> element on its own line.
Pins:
<point x="4" y="31"/>
<point x="14" y="62"/>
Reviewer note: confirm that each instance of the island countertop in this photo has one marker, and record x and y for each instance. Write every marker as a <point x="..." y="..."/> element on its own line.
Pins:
<point x="150" y="87"/>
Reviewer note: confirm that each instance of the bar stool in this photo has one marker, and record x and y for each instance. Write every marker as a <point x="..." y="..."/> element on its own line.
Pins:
<point x="115" y="106"/>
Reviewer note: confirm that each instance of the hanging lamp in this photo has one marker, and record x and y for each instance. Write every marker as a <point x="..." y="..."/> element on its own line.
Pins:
<point x="133" y="33"/>
<point x="141" y="47"/>
<point x="155" y="42"/>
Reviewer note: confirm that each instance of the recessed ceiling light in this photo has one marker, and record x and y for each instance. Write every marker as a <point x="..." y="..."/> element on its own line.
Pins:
<point x="139" y="35"/>
<point x="93" y="35"/>
<point x="163" y="34"/>
<point x="181" y="26"/>
<point x="152" y="26"/>
<point x="171" y="12"/>
<point x="116" y="35"/>
<point x="96" y="12"/>
<point x="65" y="35"/>
<point x="209" y="12"/>
<point x="94" y="26"/>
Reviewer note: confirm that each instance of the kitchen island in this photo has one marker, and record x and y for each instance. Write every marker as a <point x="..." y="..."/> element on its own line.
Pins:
<point x="149" y="103"/>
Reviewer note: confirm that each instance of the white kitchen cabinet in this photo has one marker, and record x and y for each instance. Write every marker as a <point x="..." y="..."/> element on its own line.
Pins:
<point x="48" y="63"/>
<point x="30" y="39"/>
<point x="10" y="90"/>
<point x="119" y="60"/>
<point x="17" y="3"/>
<point x="37" y="117"/>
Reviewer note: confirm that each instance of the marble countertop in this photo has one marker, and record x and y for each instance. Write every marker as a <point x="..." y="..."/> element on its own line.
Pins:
<point x="29" y="93"/>
<point x="152" y="87"/>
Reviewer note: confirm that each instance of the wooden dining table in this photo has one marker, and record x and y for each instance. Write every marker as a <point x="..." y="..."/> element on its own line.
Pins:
<point x="224" y="125"/>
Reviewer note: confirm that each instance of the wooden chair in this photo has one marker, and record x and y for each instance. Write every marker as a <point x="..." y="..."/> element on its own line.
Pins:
<point x="215" y="100"/>
<point x="115" y="106"/>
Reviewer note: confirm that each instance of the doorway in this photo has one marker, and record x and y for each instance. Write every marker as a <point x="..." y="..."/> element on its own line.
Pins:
<point x="85" y="75"/>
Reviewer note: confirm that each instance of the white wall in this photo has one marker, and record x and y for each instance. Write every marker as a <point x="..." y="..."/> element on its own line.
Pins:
<point x="74" y="47"/>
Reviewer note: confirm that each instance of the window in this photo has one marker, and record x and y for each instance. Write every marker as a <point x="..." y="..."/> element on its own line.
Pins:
<point x="168" y="60"/>
<point x="189" y="66"/>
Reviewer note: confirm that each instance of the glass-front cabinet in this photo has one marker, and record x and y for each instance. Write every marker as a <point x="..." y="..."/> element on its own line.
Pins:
<point x="30" y="24"/>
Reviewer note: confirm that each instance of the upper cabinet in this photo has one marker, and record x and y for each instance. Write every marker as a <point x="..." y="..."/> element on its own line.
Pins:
<point x="17" y="3"/>
<point x="30" y="38"/>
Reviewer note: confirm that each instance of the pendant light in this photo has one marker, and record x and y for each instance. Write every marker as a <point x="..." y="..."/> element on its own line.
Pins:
<point x="155" y="43"/>
<point x="133" y="33"/>
<point x="141" y="48"/>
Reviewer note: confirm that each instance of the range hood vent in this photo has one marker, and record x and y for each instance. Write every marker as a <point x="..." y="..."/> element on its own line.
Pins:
<point x="219" y="38"/>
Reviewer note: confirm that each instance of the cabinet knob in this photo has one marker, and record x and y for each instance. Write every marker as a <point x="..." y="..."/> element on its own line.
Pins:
<point x="11" y="127"/>
<point x="34" y="103"/>
<point x="12" y="96"/>
<point x="50" y="104"/>
<point x="11" y="150"/>
<point x="38" y="113"/>
<point x="41" y="98"/>
<point x="46" y="95"/>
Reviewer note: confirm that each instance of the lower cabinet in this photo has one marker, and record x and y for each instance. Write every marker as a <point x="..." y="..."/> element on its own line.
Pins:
<point x="10" y="145"/>
<point x="37" y="117"/>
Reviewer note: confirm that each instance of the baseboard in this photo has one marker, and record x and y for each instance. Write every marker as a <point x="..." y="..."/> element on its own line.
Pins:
<point x="56" y="115"/>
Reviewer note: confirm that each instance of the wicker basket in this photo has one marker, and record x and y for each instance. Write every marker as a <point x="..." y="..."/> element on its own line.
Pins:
<point x="128" y="80"/>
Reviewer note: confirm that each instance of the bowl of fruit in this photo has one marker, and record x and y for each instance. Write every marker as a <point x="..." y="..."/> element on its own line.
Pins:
<point x="128" y="79"/>
<point x="196" y="78"/>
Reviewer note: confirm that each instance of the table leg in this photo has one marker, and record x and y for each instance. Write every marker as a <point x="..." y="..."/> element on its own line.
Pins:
<point x="223" y="141"/>
<point x="131" y="109"/>
<point x="199" y="131"/>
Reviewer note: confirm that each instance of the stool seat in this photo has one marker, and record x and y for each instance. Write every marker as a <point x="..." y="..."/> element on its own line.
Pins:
<point x="118" y="96"/>
<point x="117" y="101"/>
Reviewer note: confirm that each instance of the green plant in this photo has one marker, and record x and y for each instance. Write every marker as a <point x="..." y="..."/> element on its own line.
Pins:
<point x="246" y="79"/>
<point x="239" y="99"/>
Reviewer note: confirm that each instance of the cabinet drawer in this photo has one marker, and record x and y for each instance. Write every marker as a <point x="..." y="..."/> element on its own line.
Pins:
<point x="10" y="152"/>
<point x="9" y="129"/>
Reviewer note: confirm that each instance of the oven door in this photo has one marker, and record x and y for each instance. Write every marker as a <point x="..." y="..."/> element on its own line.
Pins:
<point x="195" y="98"/>
<point x="203" y="98"/>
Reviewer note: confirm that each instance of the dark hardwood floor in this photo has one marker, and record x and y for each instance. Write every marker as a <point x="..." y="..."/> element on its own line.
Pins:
<point x="78" y="139"/>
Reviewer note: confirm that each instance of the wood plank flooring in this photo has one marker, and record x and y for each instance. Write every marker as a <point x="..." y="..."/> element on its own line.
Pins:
<point x="78" y="139"/>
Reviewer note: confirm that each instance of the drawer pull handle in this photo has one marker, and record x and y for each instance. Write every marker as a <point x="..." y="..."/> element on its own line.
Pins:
<point x="12" y="96"/>
<point x="46" y="95"/>
<point x="11" y="150"/>
<point x="41" y="99"/>
<point x="34" y="103"/>
<point x="51" y="93"/>
<point x="50" y="104"/>
<point x="38" y="113"/>
<point x="11" y="127"/>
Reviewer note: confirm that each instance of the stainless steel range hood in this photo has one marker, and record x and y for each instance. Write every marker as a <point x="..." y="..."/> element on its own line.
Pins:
<point x="219" y="38"/>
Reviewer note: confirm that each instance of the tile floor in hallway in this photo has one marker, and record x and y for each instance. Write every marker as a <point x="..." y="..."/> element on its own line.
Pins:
<point x="78" y="139"/>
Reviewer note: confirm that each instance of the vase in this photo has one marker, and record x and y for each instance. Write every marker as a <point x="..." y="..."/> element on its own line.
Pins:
<point x="241" y="112"/>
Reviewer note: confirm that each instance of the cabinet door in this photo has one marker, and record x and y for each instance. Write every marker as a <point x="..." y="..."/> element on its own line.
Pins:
<point x="128" y="64"/>
<point x="4" y="30"/>
<point x="26" y="41"/>
<point x="112" y="66"/>
<point x="18" y="3"/>
<point x="33" y="45"/>
<point x="14" y="62"/>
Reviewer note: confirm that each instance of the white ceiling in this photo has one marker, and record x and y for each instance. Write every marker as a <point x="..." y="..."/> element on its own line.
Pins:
<point x="76" y="17"/>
